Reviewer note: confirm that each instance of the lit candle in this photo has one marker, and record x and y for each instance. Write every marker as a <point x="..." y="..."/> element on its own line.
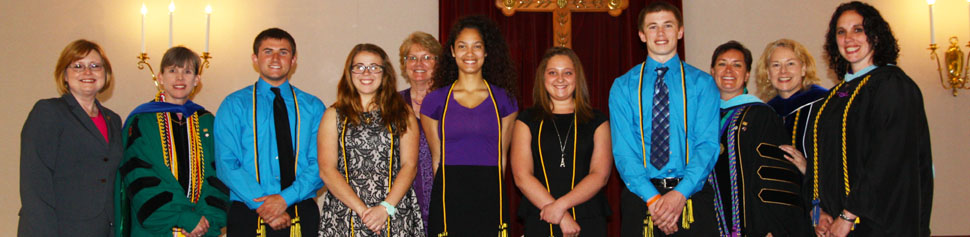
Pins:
<point x="171" y="11"/>
<point x="932" y="31"/>
<point x="144" y="11"/>
<point x="208" y="16"/>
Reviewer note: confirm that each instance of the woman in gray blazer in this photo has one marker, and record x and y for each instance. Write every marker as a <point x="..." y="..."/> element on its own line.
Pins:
<point x="70" y="148"/>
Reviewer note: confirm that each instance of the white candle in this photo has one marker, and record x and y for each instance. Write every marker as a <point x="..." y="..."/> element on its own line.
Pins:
<point x="932" y="31"/>
<point x="171" y="11"/>
<point x="144" y="10"/>
<point x="208" y="18"/>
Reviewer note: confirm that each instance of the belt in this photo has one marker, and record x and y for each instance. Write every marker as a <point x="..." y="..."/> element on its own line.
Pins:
<point x="665" y="183"/>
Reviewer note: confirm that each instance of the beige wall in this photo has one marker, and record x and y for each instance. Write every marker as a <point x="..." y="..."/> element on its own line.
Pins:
<point x="34" y="32"/>
<point x="756" y="23"/>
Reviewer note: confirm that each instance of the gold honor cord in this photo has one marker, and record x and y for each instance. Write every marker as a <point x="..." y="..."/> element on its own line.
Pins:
<point x="688" y="215"/>
<point x="295" y="229"/>
<point x="503" y="227"/>
<point x="542" y="162"/>
<point x="794" y="129"/>
<point x="845" y="164"/>
<point x="390" y="160"/>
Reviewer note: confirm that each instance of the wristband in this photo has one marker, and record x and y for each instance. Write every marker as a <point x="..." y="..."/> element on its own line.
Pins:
<point x="844" y="217"/>
<point x="391" y="210"/>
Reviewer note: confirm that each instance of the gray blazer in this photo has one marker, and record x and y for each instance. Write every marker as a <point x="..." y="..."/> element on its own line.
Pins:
<point x="67" y="170"/>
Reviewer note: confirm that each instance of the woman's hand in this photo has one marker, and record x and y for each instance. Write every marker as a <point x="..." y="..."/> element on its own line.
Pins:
<point x="375" y="218"/>
<point x="553" y="213"/>
<point x="569" y="226"/>
<point x="794" y="156"/>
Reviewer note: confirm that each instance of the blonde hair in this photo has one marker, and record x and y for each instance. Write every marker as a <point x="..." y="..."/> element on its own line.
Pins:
<point x="76" y="51"/>
<point x="765" y="90"/>
<point x="425" y="40"/>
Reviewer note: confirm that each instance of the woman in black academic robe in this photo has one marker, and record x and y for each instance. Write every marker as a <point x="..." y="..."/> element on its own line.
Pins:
<point x="873" y="167"/>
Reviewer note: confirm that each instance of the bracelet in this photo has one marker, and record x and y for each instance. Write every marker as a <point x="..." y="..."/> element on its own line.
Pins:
<point x="842" y="216"/>
<point x="391" y="210"/>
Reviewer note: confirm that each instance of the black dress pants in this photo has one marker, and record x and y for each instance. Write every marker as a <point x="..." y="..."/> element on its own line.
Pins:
<point x="241" y="221"/>
<point x="633" y="210"/>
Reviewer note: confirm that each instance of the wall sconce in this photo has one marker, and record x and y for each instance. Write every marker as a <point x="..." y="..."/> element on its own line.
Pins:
<point x="957" y="74"/>
<point x="143" y="56"/>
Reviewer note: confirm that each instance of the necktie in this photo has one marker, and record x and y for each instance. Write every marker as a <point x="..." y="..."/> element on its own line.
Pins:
<point x="660" y="137"/>
<point x="284" y="142"/>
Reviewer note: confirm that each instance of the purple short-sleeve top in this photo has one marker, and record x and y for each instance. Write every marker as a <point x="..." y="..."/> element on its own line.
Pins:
<point x="471" y="134"/>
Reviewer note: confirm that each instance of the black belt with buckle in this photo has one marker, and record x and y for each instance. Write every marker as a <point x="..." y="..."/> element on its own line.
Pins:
<point x="665" y="183"/>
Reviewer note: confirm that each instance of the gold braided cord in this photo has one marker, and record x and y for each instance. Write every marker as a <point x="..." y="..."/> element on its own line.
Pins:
<point x="794" y="129"/>
<point x="501" y="215"/>
<point x="390" y="160"/>
<point x="815" y="140"/>
<point x="643" y="140"/>
<point x="444" y="207"/>
<point x="845" y="116"/>
<point x="542" y="163"/>
<point x="261" y="225"/>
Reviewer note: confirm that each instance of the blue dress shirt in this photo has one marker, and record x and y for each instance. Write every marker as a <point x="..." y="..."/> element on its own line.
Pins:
<point x="703" y="100"/>
<point x="235" y="164"/>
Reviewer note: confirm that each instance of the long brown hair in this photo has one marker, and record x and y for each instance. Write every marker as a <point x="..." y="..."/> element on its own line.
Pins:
<point x="393" y="109"/>
<point x="583" y="110"/>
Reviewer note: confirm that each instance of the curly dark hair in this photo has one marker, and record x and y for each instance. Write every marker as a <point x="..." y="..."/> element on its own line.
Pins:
<point x="880" y="36"/>
<point x="498" y="68"/>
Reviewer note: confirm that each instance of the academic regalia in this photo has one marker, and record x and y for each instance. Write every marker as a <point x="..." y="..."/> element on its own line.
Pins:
<point x="765" y="184"/>
<point x="788" y="108"/>
<point x="873" y="127"/>
<point x="167" y="177"/>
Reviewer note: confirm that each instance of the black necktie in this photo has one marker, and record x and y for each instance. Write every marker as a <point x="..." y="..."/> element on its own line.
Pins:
<point x="284" y="142"/>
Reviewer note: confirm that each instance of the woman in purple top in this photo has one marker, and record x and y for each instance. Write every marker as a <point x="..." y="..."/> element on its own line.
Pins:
<point x="418" y="54"/>
<point x="468" y="122"/>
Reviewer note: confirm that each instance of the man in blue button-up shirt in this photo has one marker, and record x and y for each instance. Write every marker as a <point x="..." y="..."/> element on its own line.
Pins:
<point x="248" y="159"/>
<point x="692" y="141"/>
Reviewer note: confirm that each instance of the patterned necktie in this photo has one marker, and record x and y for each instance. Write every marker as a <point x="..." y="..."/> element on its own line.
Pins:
<point x="660" y="137"/>
<point x="284" y="142"/>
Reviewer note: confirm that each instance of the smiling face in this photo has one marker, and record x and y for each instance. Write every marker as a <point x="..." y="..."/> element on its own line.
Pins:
<point x="852" y="40"/>
<point x="469" y="51"/>
<point x="85" y="76"/>
<point x="274" y="59"/>
<point x="178" y="82"/>
<point x="730" y="73"/>
<point x="785" y="71"/>
<point x="560" y="78"/>
<point x="661" y="30"/>
<point x="367" y="82"/>
<point x="421" y="69"/>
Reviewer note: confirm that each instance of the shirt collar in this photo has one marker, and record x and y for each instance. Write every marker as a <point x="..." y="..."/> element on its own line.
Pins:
<point x="850" y="76"/>
<point x="672" y="64"/>
<point x="739" y="100"/>
<point x="263" y="87"/>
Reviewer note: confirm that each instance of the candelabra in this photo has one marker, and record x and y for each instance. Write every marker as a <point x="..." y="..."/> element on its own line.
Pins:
<point x="956" y="67"/>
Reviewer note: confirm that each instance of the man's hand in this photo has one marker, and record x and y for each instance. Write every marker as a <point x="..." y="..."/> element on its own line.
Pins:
<point x="667" y="210"/>
<point x="553" y="213"/>
<point x="569" y="226"/>
<point x="279" y="222"/>
<point x="273" y="205"/>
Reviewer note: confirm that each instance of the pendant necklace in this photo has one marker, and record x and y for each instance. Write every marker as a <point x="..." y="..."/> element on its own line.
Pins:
<point x="562" y="146"/>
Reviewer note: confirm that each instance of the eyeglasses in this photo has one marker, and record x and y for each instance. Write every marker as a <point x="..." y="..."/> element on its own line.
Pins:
<point x="79" y="67"/>
<point x="424" y="58"/>
<point x="359" y="68"/>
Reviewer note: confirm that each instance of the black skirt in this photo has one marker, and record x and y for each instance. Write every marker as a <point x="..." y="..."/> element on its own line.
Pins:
<point x="472" y="199"/>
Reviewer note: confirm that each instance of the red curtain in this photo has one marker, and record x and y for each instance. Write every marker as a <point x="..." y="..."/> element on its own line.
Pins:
<point x="607" y="46"/>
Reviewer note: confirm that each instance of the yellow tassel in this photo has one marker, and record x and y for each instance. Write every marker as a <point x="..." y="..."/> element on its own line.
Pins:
<point x="261" y="228"/>
<point x="856" y="223"/>
<point x="443" y="234"/>
<point x="687" y="216"/>
<point x="295" y="229"/>
<point x="648" y="227"/>
<point x="503" y="230"/>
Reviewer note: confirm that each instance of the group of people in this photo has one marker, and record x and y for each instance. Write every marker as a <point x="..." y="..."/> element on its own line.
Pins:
<point x="698" y="154"/>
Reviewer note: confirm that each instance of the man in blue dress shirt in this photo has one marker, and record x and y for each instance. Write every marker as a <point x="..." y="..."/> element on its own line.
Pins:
<point x="663" y="158"/>
<point x="266" y="147"/>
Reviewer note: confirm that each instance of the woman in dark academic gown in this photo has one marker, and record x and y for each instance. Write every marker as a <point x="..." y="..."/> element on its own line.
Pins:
<point x="167" y="182"/>
<point x="871" y="133"/>
<point x="787" y="80"/>
<point x="757" y="183"/>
